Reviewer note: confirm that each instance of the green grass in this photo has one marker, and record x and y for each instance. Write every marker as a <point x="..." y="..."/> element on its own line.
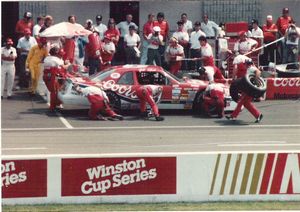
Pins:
<point x="226" y="206"/>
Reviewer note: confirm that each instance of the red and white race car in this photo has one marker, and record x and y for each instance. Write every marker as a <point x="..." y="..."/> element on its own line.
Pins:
<point x="121" y="82"/>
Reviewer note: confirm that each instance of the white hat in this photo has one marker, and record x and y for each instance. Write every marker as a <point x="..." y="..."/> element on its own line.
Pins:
<point x="270" y="17"/>
<point x="156" y="29"/>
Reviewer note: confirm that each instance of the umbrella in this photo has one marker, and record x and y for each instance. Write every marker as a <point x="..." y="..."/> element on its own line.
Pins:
<point x="64" y="29"/>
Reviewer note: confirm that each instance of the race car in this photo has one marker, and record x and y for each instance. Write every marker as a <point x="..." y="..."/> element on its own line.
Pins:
<point x="121" y="83"/>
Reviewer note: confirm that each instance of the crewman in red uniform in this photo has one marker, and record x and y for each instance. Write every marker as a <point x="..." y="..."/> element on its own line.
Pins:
<point x="146" y="94"/>
<point x="245" y="99"/>
<point x="107" y="53"/>
<point x="173" y="52"/>
<point x="214" y="99"/>
<point x="99" y="103"/>
<point x="54" y="67"/>
<point x="283" y="21"/>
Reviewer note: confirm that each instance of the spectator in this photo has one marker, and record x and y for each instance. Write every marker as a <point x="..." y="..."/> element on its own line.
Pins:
<point x="25" y="23"/>
<point x="147" y="30"/>
<point x="222" y="30"/>
<point x="195" y="46"/>
<point x="187" y="24"/>
<point x="256" y="31"/>
<point x="107" y="54"/>
<point x="8" y="56"/>
<point x="47" y="23"/>
<point x="132" y="44"/>
<point x="183" y="39"/>
<point x="34" y="61"/>
<point x="173" y="54"/>
<point x="210" y="28"/>
<point x="283" y="21"/>
<point x="79" y="51"/>
<point x="164" y="31"/>
<point x="124" y="30"/>
<point x="72" y="19"/>
<point x="93" y="52"/>
<point x="244" y="44"/>
<point x="114" y="34"/>
<point x="37" y="27"/>
<point x="112" y="31"/>
<point x="100" y="26"/>
<point x="269" y="30"/>
<point x="24" y="45"/>
<point x="290" y="52"/>
<point x="154" y="40"/>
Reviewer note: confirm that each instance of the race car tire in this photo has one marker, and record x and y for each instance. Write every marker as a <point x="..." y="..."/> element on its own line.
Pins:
<point x="252" y="86"/>
<point x="198" y="103"/>
<point x="114" y="101"/>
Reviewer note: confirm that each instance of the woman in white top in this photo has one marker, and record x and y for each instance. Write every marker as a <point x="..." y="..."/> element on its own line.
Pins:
<point x="132" y="42"/>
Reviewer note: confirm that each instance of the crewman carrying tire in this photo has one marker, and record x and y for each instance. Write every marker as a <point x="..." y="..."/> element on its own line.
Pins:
<point x="245" y="99"/>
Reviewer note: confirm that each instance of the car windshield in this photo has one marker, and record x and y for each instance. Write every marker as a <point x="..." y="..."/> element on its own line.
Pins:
<point x="170" y="75"/>
<point x="102" y="75"/>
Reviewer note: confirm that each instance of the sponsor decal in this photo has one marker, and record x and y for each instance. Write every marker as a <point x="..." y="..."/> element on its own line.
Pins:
<point x="283" y="88"/>
<point x="120" y="89"/>
<point x="118" y="176"/>
<point x="115" y="75"/>
<point x="256" y="174"/>
<point x="24" y="178"/>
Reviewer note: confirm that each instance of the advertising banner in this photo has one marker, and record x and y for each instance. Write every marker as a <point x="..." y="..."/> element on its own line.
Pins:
<point x="118" y="176"/>
<point x="24" y="178"/>
<point x="283" y="88"/>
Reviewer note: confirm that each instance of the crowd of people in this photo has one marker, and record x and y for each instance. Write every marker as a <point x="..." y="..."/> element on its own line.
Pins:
<point x="188" y="48"/>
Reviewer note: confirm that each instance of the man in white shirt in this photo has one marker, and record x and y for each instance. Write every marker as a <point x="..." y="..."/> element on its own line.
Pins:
<point x="256" y="31"/>
<point x="100" y="26"/>
<point x="8" y="56"/>
<point x="244" y="44"/>
<point x="155" y="39"/>
<point x="210" y="28"/>
<point x="24" y="45"/>
<point x="108" y="51"/>
<point x="38" y="26"/>
<point x="195" y="46"/>
<point x="183" y="39"/>
<point x="187" y="24"/>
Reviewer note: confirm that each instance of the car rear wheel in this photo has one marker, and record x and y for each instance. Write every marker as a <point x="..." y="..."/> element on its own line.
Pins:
<point x="114" y="101"/>
<point x="198" y="103"/>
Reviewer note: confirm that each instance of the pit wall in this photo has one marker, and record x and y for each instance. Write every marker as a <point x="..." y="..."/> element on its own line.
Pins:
<point x="151" y="178"/>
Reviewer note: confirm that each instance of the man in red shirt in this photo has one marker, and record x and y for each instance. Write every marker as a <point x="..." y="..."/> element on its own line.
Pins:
<point x="164" y="31"/>
<point x="25" y="23"/>
<point x="269" y="30"/>
<point x="147" y="30"/>
<point x="283" y="21"/>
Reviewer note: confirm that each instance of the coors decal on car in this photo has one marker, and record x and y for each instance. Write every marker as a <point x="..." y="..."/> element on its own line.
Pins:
<point x="120" y="89"/>
<point x="283" y="88"/>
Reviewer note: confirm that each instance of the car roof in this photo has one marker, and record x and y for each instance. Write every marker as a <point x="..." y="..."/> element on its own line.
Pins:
<point x="147" y="68"/>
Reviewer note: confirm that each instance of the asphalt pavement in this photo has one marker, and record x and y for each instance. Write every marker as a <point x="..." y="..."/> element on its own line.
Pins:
<point x="29" y="129"/>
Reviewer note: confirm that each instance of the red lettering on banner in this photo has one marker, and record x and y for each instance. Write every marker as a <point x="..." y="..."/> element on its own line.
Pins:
<point x="267" y="174"/>
<point x="283" y="88"/>
<point x="24" y="178"/>
<point x="278" y="173"/>
<point x="118" y="176"/>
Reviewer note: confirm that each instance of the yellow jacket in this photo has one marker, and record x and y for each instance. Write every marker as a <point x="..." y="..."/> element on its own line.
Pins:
<point x="36" y="56"/>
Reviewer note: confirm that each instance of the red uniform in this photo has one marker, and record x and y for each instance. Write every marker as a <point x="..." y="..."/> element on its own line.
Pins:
<point x="113" y="34"/>
<point x="245" y="100"/>
<point x="146" y="94"/>
<point x="50" y="78"/>
<point x="214" y="100"/>
<point x="164" y="28"/>
<point x="99" y="102"/>
<point x="22" y="25"/>
<point x="173" y="52"/>
<point x="283" y="24"/>
<point x="69" y="49"/>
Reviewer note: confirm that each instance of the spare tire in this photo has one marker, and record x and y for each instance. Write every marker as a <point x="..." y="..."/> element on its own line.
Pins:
<point x="253" y="86"/>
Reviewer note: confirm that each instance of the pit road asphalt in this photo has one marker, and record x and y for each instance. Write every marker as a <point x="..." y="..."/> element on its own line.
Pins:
<point x="28" y="129"/>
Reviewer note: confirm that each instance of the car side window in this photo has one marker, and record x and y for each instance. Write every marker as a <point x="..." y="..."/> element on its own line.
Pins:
<point x="145" y="78"/>
<point x="126" y="79"/>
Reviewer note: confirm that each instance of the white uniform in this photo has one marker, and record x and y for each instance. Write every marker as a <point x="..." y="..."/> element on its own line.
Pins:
<point x="215" y="86"/>
<point x="174" y="50"/>
<point x="188" y="25"/>
<point x="23" y="43"/>
<point x="210" y="72"/>
<point x="152" y="38"/>
<point x="195" y="44"/>
<point x="101" y="28"/>
<point x="132" y="40"/>
<point x="257" y="33"/>
<point x="244" y="46"/>
<point x="181" y="35"/>
<point x="36" y="30"/>
<point x="206" y="51"/>
<point x="240" y="59"/>
<point x="8" y="70"/>
<point x="91" y="90"/>
<point x="52" y="61"/>
<point x="124" y="27"/>
<point x="110" y="47"/>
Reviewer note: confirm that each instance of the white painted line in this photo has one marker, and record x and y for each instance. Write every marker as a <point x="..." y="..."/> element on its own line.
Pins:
<point x="61" y="118"/>
<point x="241" y="145"/>
<point x="26" y="148"/>
<point x="254" y="142"/>
<point x="152" y="127"/>
<point x="145" y="154"/>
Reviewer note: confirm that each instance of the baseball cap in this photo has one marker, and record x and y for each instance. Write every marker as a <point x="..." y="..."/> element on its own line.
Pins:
<point x="99" y="17"/>
<point x="285" y="10"/>
<point x="27" y="31"/>
<point x="27" y="15"/>
<point x="9" y="41"/>
<point x="89" y="21"/>
<point x="269" y="17"/>
<point x="156" y="29"/>
<point x="131" y="27"/>
<point x="254" y="21"/>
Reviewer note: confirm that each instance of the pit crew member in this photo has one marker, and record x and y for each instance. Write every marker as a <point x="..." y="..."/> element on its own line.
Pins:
<point x="99" y="103"/>
<point x="213" y="99"/>
<point x="173" y="51"/>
